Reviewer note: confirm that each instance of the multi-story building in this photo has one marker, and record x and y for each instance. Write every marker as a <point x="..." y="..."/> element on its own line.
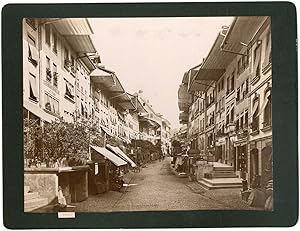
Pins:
<point x="236" y="79"/>
<point x="63" y="78"/>
<point x="52" y="53"/>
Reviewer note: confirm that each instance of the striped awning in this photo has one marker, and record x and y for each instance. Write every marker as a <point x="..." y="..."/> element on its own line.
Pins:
<point x="116" y="160"/>
<point x="121" y="154"/>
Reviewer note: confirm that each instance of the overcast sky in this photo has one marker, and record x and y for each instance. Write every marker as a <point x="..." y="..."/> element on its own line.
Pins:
<point x="152" y="54"/>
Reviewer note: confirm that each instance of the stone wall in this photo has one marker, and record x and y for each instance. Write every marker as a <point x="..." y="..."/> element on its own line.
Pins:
<point x="45" y="182"/>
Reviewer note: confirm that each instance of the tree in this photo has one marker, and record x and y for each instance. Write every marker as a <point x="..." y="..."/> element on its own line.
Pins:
<point x="60" y="140"/>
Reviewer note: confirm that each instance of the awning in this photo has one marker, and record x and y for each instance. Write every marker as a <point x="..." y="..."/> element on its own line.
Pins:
<point x="120" y="153"/>
<point x="34" y="52"/>
<point x="39" y="112"/>
<point x="255" y="108"/>
<point x="268" y="93"/>
<point x="109" y="155"/>
<point x="229" y="110"/>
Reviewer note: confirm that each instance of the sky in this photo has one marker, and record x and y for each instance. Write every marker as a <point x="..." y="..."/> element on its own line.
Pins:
<point x="152" y="54"/>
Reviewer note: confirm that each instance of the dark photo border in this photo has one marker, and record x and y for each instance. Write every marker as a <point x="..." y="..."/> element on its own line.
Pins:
<point x="285" y="124"/>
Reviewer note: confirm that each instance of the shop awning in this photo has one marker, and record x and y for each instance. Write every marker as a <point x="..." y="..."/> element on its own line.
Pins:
<point x="109" y="155"/>
<point x="119" y="152"/>
<point x="39" y="112"/>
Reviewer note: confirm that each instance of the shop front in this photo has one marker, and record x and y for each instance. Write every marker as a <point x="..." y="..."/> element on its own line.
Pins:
<point x="261" y="162"/>
<point x="106" y="168"/>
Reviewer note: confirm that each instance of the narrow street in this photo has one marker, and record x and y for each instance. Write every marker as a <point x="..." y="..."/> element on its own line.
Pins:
<point x="157" y="188"/>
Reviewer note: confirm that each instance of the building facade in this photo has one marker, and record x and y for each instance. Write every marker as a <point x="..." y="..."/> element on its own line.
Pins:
<point x="236" y="80"/>
<point x="65" y="79"/>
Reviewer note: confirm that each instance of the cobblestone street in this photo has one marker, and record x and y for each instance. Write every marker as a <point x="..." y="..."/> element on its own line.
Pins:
<point x="157" y="188"/>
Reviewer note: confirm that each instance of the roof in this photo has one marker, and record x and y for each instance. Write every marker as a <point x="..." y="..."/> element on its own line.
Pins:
<point x="138" y="106"/>
<point x="76" y="31"/>
<point x="184" y="97"/>
<point x="81" y="43"/>
<point x="236" y="34"/>
<point x="215" y="63"/>
<point x="119" y="152"/>
<point x="124" y="100"/>
<point x="109" y="155"/>
<point x="149" y="121"/>
<point x="108" y="80"/>
<point x="72" y="26"/>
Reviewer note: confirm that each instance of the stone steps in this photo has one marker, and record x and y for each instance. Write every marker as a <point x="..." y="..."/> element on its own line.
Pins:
<point x="32" y="200"/>
<point x="223" y="175"/>
<point x="229" y="168"/>
<point x="32" y="204"/>
<point x="221" y="183"/>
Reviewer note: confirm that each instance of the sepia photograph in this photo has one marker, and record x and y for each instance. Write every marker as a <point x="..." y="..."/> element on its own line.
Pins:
<point x="147" y="114"/>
